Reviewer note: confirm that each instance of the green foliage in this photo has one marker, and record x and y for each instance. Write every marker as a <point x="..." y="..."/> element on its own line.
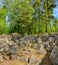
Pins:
<point x="21" y="14"/>
<point x="28" y="16"/>
<point x="3" y="25"/>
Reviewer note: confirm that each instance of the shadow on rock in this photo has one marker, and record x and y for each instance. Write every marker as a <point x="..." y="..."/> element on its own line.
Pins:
<point x="46" y="60"/>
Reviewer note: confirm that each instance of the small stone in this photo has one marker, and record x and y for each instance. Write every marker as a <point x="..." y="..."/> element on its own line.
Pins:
<point x="35" y="46"/>
<point x="41" y="49"/>
<point x="39" y="40"/>
<point x="51" y="39"/>
<point x="13" y="57"/>
<point x="24" y="58"/>
<point x="1" y="58"/>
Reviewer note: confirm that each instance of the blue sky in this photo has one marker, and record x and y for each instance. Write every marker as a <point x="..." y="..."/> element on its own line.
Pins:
<point x="55" y="10"/>
<point x="1" y="3"/>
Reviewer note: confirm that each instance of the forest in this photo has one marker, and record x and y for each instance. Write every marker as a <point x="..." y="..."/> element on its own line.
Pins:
<point x="27" y="16"/>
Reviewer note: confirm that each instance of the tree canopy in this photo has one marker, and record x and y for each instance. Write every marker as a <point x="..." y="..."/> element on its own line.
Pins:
<point x="28" y="16"/>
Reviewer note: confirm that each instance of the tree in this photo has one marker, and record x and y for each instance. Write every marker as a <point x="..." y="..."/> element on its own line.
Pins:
<point x="3" y="25"/>
<point x="36" y="4"/>
<point x="48" y="7"/>
<point x="20" y="15"/>
<point x="30" y="16"/>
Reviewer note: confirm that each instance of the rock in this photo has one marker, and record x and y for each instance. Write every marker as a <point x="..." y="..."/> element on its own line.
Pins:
<point x="22" y="43"/>
<point x="54" y="55"/>
<point x="44" y="38"/>
<point x="5" y="57"/>
<point x="13" y="57"/>
<point x="51" y="39"/>
<point x="10" y="44"/>
<point x="41" y="49"/>
<point x="34" y="60"/>
<point x="35" y="46"/>
<point x="3" y="36"/>
<point x="32" y="39"/>
<point x="16" y="37"/>
<point x="13" y="51"/>
<point x="46" y="45"/>
<point x="26" y="51"/>
<point x="39" y="40"/>
<point x="1" y="58"/>
<point x="4" y="48"/>
<point x="9" y="38"/>
<point x="24" y="58"/>
<point x="26" y="40"/>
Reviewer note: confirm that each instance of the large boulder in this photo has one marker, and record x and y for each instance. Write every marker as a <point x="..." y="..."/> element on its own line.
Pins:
<point x="54" y="55"/>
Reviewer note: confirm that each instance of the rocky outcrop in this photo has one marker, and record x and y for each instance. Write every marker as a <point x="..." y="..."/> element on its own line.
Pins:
<point x="54" y="55"/>
<point x="16" y="46"/>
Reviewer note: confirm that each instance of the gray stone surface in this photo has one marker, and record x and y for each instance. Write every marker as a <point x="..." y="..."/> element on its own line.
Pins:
<point x="54" y="55"/>
<point x="11" y="44"/>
